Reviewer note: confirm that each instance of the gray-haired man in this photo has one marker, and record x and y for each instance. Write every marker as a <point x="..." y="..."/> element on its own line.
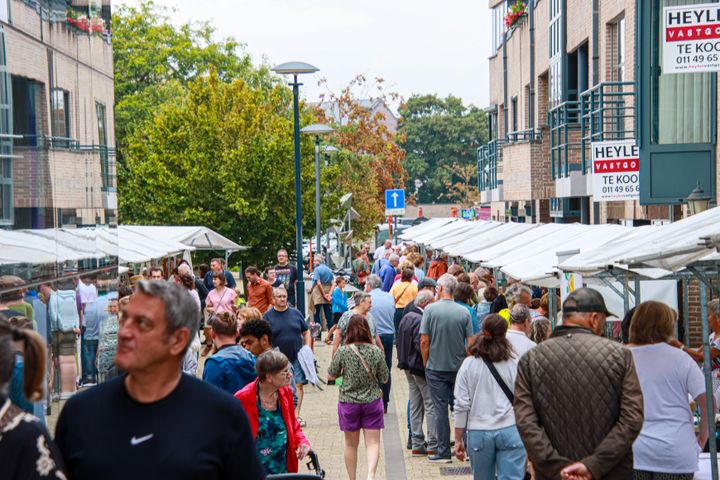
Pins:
<point x="410" y="360"/>
<point x="520" y="319"/>
<point x="148" y="414"/>
<point x="444" y="330"/>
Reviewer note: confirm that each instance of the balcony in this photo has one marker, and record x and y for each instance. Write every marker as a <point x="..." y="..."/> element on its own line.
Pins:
<point x="604" y="112"/>
<point x="489" y="159"/>
<point x="524" y="136"/>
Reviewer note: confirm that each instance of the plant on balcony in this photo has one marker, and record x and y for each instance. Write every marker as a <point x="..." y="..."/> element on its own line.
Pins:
<point x="515" y="13"/>
<point x="92" y="25"/>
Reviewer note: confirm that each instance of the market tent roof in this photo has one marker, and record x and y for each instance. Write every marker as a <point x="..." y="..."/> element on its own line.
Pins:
<point x="20" y="246"/>
<point x="458" y="234"/>
<point x="655" y="252"/>
<point x="495" y="233"/>
<point x="515" y="243"/>
<point x="538" y="264"/>
<point x="475" y="230"/>
<point x="412" y="232"/>
<point x="591" y="261"/>
<point x="436" y="233"/>
<point x="198" y="237"/>
<point x="133" y="247"/>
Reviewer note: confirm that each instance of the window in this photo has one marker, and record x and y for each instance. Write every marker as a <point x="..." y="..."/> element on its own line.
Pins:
<point x="681" y="103"/>
<point x="514" y="104"/>
<point x="498" y="25"/>
<point x="6" y="200"/>
<point x="556" y="53"/>
<point x="60" y="113"/>
<point x="100" y="111"/>
<point x="617" y="51"/>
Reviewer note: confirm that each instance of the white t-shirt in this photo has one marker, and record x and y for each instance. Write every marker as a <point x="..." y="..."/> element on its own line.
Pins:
<point x="520" y="342"/>
<point x="667" y="441"/>
<point x="480" y="403"/>
<point x="380" y="252"/>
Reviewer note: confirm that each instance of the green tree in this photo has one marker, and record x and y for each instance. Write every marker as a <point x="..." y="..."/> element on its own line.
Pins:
<point x="440" y="137"/>
<point x="155" y="59"/>
<point x="221" y="156"/>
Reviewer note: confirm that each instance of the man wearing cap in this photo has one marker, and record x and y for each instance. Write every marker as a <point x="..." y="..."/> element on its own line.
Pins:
<point x="578" y="402"/>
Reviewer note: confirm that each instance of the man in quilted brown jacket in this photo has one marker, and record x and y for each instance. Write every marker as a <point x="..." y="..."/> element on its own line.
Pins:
<point x="578" y="403"/>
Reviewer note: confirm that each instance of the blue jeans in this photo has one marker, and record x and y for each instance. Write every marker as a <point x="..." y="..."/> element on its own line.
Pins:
<point x="326" y="308"/>
<point x="496" y="451"/>
<point x="387" y="343"/>
<point x="441" y="386"/>
<point x="88" y="350"/>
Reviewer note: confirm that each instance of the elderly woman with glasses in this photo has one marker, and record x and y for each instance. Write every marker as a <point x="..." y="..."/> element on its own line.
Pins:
<point x="268" y="402"/>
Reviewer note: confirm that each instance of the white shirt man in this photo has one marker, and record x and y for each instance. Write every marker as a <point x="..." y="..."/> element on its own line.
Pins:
<point x="382" y="249"/>
<point x="520" y="319"/>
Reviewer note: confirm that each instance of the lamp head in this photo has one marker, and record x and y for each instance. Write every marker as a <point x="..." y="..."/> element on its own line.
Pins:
<point x="294" y="68"/>
<point x="317" y="129"/>
<point x="698" y="201"/>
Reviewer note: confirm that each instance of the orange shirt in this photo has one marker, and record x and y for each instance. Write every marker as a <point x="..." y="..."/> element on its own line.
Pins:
<point x="260" y="295"/>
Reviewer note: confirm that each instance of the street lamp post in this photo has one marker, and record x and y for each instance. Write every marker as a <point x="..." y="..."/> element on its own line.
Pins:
<point x="295" y="69"/>
<point x="317" y="129"/>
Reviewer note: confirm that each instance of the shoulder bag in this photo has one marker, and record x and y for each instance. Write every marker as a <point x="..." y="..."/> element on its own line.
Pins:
<point x="496" y="375"/>
<point x="355" y="350"/>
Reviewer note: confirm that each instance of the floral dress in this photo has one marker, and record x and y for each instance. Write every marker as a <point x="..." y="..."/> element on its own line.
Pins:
<point x="107" y="346"/>
<point x="271" y="439"/>
<point x="26" y="450"/>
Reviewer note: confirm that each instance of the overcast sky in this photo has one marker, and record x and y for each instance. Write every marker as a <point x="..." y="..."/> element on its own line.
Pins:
<point x="417" y="46"/>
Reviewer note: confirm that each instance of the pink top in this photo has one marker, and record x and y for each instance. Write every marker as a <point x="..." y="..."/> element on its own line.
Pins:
<point x="221" y="301"/>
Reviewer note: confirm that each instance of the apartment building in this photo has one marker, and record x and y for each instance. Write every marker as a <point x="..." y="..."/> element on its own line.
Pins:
<point x="564" y="76"/>
<point x="56" y="105"/>
<point x="57" y="142"/>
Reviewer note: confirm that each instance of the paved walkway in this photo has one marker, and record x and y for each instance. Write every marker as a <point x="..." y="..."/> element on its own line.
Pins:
<point x="319" y="410"/>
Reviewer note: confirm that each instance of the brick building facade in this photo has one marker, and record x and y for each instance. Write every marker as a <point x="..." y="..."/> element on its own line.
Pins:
<point x="57" y="92"/>
<point x="561" y="77"/>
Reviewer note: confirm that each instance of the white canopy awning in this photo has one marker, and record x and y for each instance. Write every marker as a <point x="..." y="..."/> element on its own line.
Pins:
<point x="654" y="252"/>
<point x="436" y="233"/>
<point x="200" y="238"/>
<point x="515" y="242"/>
<point x="493" y="234"/>
<point x="538" y="265"/>
<point x="410" y="233"/>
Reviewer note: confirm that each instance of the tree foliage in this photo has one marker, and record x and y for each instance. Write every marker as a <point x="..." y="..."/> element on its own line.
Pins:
<point x="441" y="137"/>
<point x="154" y="59"/>
<point x="223" y="157"/>
<point x="372" y="159"/>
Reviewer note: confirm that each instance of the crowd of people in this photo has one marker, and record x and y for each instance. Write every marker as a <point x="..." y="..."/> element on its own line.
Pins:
<point x="529" y="395"/>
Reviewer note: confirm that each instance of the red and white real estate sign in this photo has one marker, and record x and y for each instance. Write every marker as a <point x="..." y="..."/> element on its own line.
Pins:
<point x="691" y="38"/>
<point x="616" y="169"/>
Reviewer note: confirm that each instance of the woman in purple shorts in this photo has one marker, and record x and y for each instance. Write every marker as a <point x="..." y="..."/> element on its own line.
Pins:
<point x="362" y="366"/>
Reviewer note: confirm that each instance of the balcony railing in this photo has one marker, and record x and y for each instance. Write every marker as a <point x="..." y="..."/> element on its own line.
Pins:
<point x="527" y="135"/>
<point x="489" y="156"/>
<point x="604" y="112"/>
<point x="562" y="122"/>
<point x="607" y="113"/>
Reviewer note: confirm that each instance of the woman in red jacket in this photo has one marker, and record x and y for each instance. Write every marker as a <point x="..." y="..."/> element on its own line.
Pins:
<point x="268" y="402"/>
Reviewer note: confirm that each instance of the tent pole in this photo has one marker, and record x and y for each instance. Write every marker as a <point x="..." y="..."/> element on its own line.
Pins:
<point x="638" y="298"/>
<point x="626" y="295"/>
<point x="686" y="313"/>
<point x="709" y="395"/>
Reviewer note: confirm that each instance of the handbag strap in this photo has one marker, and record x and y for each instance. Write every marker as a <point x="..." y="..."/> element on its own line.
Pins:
<point x="496" y="375"/>
<point x="355" y="350"/>
<point x="403" y="292"/>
